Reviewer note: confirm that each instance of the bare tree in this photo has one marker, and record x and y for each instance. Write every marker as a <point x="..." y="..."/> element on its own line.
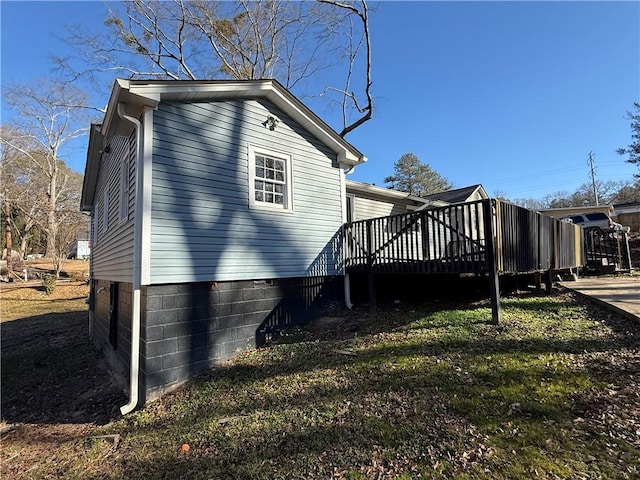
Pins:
<point x="23" y="189"/>
<point x="530" y="203"/>
<point x="349" y="100"/>
<point x="584" y="195"/>
<point x="46" y="120"/>
<point x="198" y="39"/>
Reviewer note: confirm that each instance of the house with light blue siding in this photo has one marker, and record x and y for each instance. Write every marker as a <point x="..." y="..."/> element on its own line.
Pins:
<point x="217" y="208"/>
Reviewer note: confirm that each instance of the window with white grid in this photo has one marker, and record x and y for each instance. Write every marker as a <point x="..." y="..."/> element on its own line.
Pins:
<point x="269" y="179"/>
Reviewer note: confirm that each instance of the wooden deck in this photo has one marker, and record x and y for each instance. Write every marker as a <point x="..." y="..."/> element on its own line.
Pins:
<point x="487" y="237"/>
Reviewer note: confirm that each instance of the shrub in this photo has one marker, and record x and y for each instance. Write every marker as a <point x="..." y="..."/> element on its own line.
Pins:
<point x="49" y="283"/>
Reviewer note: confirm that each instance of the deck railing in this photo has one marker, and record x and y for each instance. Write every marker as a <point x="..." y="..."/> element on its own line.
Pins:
<point x="527" y="241"/>
<point x="453" y="239"/>
<point x="607" y="250"/>
<point x="446" y="239"/>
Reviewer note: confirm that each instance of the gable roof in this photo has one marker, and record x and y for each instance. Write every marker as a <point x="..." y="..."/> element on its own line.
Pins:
<point x="458" y="195"/>
<point x="136" y="94"/>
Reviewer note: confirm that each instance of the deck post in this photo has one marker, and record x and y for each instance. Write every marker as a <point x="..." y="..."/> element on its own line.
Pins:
<point x="492" y="267"/>
<point x="625" y="244"/>
<point x="548" y="284"/>
<point x="370" y="259"/>
<point x="554" y="261"/>
<point x="372" y="293"/>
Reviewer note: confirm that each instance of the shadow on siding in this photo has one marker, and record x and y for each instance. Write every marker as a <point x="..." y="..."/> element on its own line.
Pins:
<point x="231" y="222"/>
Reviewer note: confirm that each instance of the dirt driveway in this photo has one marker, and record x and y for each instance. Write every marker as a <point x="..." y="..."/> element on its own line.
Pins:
<point x="52" y="374"/>
<point x="55" y="385"/>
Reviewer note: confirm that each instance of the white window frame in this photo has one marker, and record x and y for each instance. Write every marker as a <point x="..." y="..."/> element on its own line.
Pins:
<point x="287" y="205"/>
<point x="94" y="226"/>
<point x="105" y="210"/>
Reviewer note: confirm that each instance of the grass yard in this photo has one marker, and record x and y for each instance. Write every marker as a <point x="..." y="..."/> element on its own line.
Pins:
<point x="426" y="392"/>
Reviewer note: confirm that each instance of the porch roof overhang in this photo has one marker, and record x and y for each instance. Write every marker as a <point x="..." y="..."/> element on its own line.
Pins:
<point x="566" y="211"/>
<point x="367" y="188"/>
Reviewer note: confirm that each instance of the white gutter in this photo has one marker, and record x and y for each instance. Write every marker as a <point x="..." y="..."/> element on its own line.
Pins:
<point x="137" y="270"/>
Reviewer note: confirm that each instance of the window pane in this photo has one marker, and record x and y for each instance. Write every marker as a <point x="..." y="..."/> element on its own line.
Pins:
<point x="270" y="180"/>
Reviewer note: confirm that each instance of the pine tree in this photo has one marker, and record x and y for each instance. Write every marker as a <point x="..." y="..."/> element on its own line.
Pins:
<point x="416" y="178"/>
<point x="633" y="149"/>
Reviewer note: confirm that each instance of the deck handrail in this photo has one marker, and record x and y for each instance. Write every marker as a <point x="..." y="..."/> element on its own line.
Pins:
<point x="453" y="238"/>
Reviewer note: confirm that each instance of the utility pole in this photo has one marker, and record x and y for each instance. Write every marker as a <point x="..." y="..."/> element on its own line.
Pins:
<point x="592" y="173"/>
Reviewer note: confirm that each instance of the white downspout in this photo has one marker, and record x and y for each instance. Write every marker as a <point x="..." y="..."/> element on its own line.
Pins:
<point x="343" y="193"/>
<point x="137" y="270"/>
<point x="347" y="292"/>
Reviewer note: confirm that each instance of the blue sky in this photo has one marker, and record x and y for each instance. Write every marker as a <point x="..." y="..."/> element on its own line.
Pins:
<point x="513" y="95"/>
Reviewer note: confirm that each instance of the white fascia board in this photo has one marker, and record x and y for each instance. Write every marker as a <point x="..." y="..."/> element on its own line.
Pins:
<point x="124" y="92"/>
<point x="481" y="191"/>
<point x="269" y="89"/>
<point x="118" y="86"/>
<point x="120" y="93"/>
<point x="174" y="89"/>
<point x="485" y="195"/>
<point x="92" y="167"/>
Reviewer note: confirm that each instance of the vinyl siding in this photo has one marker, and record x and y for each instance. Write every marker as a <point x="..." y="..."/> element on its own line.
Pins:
<point x="202" y="228"/>
<point x="474" y="197"/>
<point x="371" y="207"/>
<point x="112" y="251"/>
